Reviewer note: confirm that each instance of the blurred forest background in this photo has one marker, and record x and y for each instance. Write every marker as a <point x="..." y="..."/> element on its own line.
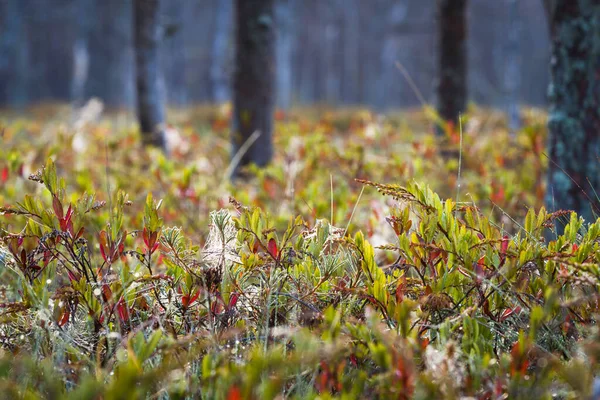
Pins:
<point x="335" y="52"/>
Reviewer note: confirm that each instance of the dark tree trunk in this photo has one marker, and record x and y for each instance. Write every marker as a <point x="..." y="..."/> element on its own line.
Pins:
<point x="452" y="59"/>
<point x="253" y="81"/>
<point x="574" y="119"/>
<point x="149" y="80"/>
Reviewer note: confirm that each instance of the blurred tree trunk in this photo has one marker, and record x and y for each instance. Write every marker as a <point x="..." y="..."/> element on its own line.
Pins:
<point x="81" y="54"/>
<point x="14" y="50"/>
<point x="574" y="118"/>
<point x="111" y="56"/>
<point x="394" y="46"/>
<point x="330" y="10"/>
<point x="307" y="82"/>
<point x="172" y="51"/>
<point x="149" y="80"/>
<point x="351" y="51"/>
<point x="512" y="69"/>
<point x="452" y="59"/>
<point x="220" y="51"/>
<point x="253" y="81"/>
<point x="284" y="49"/>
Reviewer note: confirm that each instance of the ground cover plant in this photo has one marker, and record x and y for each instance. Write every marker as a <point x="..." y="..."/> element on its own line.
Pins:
<point x="371" y="260"/>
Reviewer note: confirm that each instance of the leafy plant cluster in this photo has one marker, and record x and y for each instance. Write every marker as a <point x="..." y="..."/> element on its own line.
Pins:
<point x="318" y="155"/>
<point x="99" y="304"/>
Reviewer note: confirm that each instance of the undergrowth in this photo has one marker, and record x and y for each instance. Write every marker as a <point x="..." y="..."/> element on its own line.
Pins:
<point x="125" y="297"/>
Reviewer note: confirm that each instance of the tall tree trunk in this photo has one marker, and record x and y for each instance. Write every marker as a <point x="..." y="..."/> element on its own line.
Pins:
<point x="284" y="48"/>
<point x="81" y="55"/>
<point x="149" y="80"/>
<point x="452" y="61"/>
<point x="14" y="47"/>
<point x="220" y="51"/>
<point x="173" y="51"/>
<point x="351" y="49"/>
<point x="512" y="69"/>
<point x="331" y="47"/>
<point x="394" y="46"/>
<point x="307" y="85"/>
<point x="574" y="119"/>
<point x="253" y="81"/>
<point x="111" y="61"/>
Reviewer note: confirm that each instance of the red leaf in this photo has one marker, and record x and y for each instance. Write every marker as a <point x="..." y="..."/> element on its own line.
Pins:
<point x="145" y="237"/>
<point x="57" y="206"/>
<point x="152" y="241"/>
<point x="187" y="300"/>
<point x="4" y="176"/>
<point x="508" y="312"/>
<point x="504" y="245"/>
<point x="65" y="223"/>
<point x="194" y="297"/>
<point x="400" y="291"/>
<point x="519" y="362"/>
<point x="272" y="247"/>
<point x="120" y="250"/>
<point x="103" y="252"/>
<point x="103" y="240"/>
<point x="393" y="221"/>
<point x="233" y="299"/>
<point x="47" y="257"/>
<point x="106" y="292"/>
<point x="217" y="307"/>
<point x="23" y="257"/>
<point x="234" y="393"/>
<point x="64" y="318"/>
<point x="69" y="213"/>
<point x="122" y="310"/>
<point x="73" y="277"/>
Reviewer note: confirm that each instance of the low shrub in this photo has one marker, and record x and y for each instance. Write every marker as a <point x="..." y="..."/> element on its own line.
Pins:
<point x="96" y="304"/>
